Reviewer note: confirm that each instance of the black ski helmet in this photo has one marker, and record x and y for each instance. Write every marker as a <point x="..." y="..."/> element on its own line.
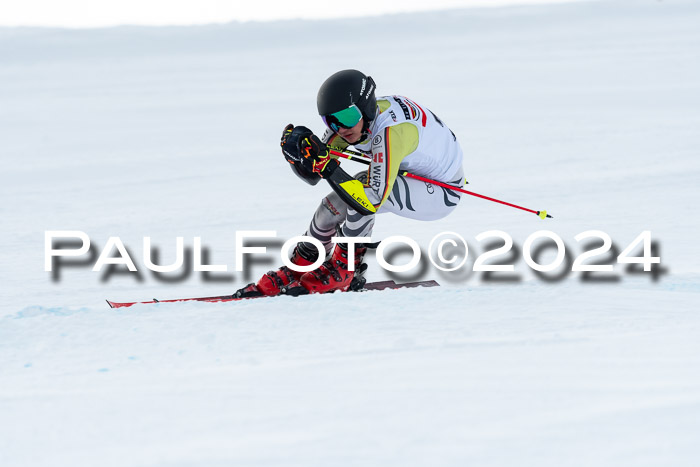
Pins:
<point x="345" y="88"/>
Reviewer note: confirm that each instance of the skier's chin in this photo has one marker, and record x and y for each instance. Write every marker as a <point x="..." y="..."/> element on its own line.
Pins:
<point x="352" y="142"/>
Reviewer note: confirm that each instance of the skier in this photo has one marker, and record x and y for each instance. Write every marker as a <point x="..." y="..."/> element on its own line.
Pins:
<point x="399" y="135"/>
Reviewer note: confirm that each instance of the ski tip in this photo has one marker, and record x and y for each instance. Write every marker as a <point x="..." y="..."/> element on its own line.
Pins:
<point x="109" y="303"/>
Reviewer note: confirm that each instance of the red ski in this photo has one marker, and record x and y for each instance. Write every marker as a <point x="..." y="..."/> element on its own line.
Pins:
<point x="381" y="285"/>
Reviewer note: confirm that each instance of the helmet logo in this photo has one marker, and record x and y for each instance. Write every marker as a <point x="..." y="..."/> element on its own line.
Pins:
<point x="362" y="89"/>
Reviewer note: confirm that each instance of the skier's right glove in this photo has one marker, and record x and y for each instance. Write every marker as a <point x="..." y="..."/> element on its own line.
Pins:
<point x="291" y="150"/>
<point x="291" y="142"/>
<point x="316" y="156"/>
<point x="307" y="154"/>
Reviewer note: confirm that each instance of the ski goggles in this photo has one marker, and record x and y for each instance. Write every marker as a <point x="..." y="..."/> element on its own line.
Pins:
<point x="346" y="118"/>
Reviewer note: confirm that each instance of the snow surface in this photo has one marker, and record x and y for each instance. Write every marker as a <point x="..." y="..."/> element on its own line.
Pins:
<point x="588" y="110"/>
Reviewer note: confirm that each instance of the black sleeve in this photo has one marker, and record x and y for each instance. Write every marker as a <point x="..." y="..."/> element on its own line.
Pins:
<point x="309" y="177"/>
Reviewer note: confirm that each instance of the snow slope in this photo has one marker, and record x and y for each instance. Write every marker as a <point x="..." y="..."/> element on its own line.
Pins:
<point x="590" y="110"/>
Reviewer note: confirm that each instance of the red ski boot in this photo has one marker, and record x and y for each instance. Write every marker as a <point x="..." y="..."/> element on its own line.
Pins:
<point x="334" y="274"/>
<point x="274" y="282"/>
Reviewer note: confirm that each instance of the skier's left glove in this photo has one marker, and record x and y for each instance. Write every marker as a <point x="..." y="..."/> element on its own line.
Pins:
<point x="316" y="156"/>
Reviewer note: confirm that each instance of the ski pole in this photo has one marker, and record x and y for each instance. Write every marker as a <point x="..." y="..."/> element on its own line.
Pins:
<point x="356" y="156"/>
<point x="350" y="155"/>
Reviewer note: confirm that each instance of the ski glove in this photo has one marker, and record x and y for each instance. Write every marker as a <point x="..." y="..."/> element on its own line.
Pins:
<point x="316" y="155"/>
<point x="291" y="139"/>
<point x="307" y="154"/>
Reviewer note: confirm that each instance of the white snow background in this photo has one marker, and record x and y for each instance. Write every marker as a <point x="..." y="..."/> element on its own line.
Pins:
<point x="590" y="110"/>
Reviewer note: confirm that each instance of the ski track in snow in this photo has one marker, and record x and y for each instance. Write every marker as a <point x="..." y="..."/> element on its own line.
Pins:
<point x="590" y="110"/>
